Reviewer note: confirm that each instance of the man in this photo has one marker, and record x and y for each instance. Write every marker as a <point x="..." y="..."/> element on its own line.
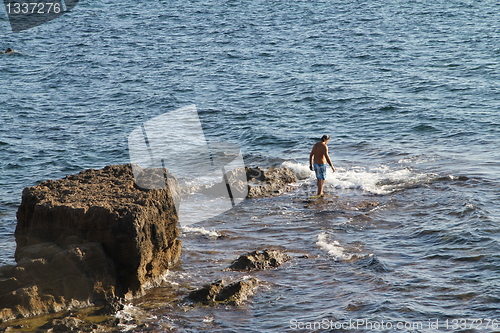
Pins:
<point x="319" y="156"/>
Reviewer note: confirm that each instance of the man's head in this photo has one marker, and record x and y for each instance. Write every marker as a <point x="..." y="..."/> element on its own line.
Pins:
<point x="325" y="138"/>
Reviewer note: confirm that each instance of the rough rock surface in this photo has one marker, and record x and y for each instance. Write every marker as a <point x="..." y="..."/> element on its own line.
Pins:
<point x="49" y="278"/>
<point x="234" y="293"/>
<point x="259" y="260"/>
<point x="233" y="181"/>
<point x="269" y="182"/>
<point x="89" y="236"/>
<point x="66" y="324"/>
<point x="259" y="183"/>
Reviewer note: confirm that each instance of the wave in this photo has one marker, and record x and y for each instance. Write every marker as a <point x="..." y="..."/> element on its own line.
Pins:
<point x="202" y="231"/>
<point x="127" y="317"/>
<point x="333" y="248"/>
<point x="378" y="180"/>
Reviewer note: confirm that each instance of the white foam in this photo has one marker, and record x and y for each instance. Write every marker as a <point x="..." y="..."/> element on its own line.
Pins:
<point x="208" y="319"/>
<point x="301" y="171"/>
<point x="332" y="247"/>
<point x="200" y="230"/>
<point x="128" y="315"/>
<point x="376" y="180"/>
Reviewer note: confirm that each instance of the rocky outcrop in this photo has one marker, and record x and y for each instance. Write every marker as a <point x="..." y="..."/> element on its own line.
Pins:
<point x="269" y="182"/>
<point x="266" y="259"/>
<point x="259" y="182"/>
<point x="90" y="236"/>
<point x="234" y="293"/>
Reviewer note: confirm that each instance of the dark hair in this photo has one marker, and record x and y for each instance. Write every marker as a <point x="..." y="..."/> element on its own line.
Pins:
<point x="325" y="137"/>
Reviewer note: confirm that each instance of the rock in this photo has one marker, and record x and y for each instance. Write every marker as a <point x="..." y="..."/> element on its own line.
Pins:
<point x="110" y="306"/>
<point x="207" y="293"/>
<point x="66" y="324"/>
<point x="137" y="228"/>
<point x="233" y="183"/>
<point x="234" y="293"/>
<point x="90" y="236"/>
<point x="270" y="182"/>
<point x="264" y="260"/>
<point x="49" y="279"/>
<point x="259" y="183"/>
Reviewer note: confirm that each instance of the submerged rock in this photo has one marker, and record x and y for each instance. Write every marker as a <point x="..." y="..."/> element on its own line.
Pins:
<point x="86" y="237"/>
<point x="234" y="293"/>
<point x="264" y="260"/>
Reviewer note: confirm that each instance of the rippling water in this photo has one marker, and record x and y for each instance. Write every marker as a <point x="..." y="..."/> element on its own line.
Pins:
<point x="408" y="91"/>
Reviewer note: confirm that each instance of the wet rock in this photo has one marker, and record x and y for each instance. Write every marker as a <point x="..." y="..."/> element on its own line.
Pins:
<point x="366" y="206"/>
<point x="207" y="293"/>
<point x="110" y="306"/>
<point x="233" y="184"/>
<point x="269" y="182"/>
<point x="259" y="260"/>
<point x="253" y="182"/>
<point x="234" y="293"/>
<point x="90" y="236"/>
<point x="66" y="324"/>
<point x="49" y="279"/>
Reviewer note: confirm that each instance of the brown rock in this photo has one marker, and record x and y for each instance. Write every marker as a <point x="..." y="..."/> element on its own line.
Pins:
<point x="269" y="182"/>
<point x="233" y="184"/>
<point x="66" y="324"/>
<point x="137" y="228"/>
<point x="234" y="293"/>
<point x="264" y="260"/>
<point x="89" y="236"/>
<point x="260" y="183"/>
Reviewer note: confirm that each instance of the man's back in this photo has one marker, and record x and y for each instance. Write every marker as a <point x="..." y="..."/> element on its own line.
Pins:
<point x="320" y="151"/>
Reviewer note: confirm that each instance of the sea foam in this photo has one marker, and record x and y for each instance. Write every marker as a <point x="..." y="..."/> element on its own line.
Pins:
<point x="376" y="180"/>
<point x="200" y="230"/>
<point x="333" y="247"/>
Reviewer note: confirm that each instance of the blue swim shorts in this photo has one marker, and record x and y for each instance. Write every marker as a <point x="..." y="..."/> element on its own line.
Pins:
<point x="320" y="170"/>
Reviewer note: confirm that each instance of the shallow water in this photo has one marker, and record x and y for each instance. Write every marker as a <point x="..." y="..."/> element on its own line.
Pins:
<point x="407" y="90"/>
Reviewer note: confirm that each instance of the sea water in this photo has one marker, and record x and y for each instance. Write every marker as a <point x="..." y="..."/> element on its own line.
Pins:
<point x="408" y="91"/>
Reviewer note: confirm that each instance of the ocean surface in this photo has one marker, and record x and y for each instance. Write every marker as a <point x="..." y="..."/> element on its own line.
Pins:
<point x="409" y="91"/>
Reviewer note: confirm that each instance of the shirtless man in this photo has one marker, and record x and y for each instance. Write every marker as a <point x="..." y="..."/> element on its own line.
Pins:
<point x="319" y="156"/>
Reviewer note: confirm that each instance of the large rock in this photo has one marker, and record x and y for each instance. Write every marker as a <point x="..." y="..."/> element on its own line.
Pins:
<point x="97" y="229"/>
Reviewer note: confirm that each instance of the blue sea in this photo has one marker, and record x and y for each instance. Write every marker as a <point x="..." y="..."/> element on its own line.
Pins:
<point x="409" y="92"/>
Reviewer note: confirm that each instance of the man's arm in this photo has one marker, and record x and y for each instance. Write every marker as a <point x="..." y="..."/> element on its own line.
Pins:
<point x="311" y="156"/>
<point x="328" y="160"/>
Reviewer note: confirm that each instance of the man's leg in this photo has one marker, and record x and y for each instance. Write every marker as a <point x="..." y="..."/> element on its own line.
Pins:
<point x="321" y="184"/>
